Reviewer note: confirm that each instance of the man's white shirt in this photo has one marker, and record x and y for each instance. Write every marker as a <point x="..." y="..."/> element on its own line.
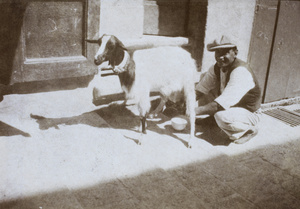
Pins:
<point x="240" y="82"/>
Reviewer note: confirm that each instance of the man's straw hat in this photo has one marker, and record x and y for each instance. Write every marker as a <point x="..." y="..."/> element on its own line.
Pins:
<point x="221" y="43"/>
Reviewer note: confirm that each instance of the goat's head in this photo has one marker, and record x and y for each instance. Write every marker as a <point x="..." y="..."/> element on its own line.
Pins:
<point x="111" y="49"/>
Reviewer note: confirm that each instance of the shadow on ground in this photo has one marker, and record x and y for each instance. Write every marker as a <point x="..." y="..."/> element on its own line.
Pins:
<point x="7" y="130"/>
<point x="115" y="115"/>
<point x="119" y="116"/>
<point x="210" y="132"/>
<point x="254" y="179"/>
<point x="89" y="118"/>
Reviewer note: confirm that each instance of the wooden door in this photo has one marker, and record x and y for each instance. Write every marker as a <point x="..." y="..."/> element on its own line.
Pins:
<point x="284" y="73"/>
<point x="262" y="39"/>
<point x="52" y="40"/>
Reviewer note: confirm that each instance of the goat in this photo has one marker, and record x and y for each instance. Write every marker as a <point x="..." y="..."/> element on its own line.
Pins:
<point x="164" y="69"/>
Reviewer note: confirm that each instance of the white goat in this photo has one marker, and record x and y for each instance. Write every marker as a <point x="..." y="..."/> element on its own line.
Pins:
<point x="164" y="69"/>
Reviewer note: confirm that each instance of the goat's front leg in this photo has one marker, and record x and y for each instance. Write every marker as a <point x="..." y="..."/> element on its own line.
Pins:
<point x="144" y="107"/>
<point x="143" y="129"/>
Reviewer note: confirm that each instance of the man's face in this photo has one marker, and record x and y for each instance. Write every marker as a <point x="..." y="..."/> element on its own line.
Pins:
<point x="225" y="57"/>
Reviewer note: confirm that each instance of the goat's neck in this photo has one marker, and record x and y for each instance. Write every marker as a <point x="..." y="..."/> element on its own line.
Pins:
<point x="123" y="65"/>
<point x="126" y="72"/>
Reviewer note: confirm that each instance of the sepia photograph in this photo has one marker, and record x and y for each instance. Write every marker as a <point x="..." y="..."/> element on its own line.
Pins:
<point x="149" y="104"/>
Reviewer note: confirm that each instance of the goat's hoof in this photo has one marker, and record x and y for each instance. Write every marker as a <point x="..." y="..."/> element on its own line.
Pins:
<point x="139" y="143"/>
<point x="190" y="144"/>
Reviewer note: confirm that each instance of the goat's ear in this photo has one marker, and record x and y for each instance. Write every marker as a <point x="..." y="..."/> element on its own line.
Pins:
<point x="120" y="44"/>
<point x="92" y="41"/>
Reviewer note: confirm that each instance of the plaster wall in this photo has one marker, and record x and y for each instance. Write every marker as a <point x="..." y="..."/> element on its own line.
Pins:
<point x="123" y="18"/>
<point x="233" y="18"/>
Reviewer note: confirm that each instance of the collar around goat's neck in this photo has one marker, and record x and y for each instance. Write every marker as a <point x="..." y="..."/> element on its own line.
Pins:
<point x="122" y="67"/>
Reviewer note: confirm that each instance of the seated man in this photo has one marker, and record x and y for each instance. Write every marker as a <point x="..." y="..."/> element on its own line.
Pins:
<point x="237" y="93"/>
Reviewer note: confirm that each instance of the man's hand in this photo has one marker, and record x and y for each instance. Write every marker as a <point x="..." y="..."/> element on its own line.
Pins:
<point x="209" y="109"/>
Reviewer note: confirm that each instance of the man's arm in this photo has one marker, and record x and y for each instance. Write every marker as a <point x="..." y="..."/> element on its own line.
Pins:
<point x="208" y="109"/>
<point x="207" y="81"/>
<point x="240" y="82"/>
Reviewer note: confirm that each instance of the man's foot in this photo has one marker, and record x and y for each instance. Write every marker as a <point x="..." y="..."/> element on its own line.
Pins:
<point x="247" y="136"/>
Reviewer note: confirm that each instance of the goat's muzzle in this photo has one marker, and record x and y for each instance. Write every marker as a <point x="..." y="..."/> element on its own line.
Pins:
<point x="99" y="60"/>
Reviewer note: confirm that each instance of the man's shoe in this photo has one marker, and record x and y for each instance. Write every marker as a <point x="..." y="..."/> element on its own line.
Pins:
<point x="247" y="136"/>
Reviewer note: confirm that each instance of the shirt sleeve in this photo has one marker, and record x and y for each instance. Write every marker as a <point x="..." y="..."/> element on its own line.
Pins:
<point x="240" y="82"/>
<point x="207" y="82"/>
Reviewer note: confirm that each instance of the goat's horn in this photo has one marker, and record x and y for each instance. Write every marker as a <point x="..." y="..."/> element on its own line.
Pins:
<point x="91" y="41"/>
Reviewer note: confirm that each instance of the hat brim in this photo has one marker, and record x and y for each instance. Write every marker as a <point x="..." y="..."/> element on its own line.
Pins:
<point x="214" y="48"/>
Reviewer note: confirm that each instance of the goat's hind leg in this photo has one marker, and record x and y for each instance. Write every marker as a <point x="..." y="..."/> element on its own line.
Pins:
<point x="143" y="129"/>
<point x="192" y="130"/>
<point x="190" y="100"/>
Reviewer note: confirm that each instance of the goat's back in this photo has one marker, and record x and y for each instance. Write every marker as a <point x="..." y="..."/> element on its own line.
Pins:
<point x="164" y="68"/>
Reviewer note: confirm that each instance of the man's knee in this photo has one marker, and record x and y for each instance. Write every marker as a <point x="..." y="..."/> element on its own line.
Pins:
<point x="222" y="116"/>
<point x="235" y="119"/>
<point x="226" y="119"/>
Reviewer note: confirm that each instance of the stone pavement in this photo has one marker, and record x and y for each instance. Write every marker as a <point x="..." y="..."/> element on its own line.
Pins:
<point x="58" y="150"/>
